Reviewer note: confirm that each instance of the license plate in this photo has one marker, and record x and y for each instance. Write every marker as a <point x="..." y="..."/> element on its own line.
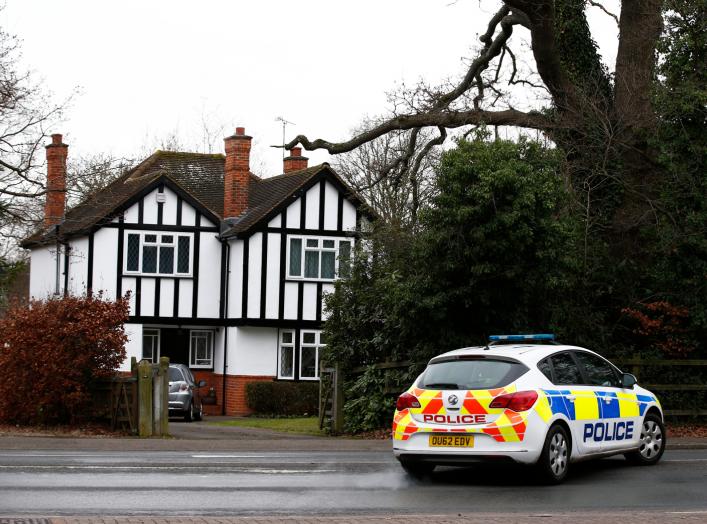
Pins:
<point x="451" y="441"/>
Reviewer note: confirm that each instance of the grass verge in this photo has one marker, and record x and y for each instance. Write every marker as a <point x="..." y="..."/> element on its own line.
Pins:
<point x="300" y="425"/>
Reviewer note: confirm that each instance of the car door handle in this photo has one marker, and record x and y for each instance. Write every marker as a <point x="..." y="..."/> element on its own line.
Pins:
<point x="571" y="397"/>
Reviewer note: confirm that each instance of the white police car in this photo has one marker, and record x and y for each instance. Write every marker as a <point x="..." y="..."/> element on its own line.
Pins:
<point x="527" y="399"/>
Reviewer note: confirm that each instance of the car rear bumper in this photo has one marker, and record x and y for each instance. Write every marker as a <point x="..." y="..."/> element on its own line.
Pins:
<point x="485" y="449"/>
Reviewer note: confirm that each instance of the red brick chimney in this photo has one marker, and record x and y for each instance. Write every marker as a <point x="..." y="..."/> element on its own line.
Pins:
<point x="295" y="161"/>
<point x="236" y="174"/>
<point x="55" y="203"/>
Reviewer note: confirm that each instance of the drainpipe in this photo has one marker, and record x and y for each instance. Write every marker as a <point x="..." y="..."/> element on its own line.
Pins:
<point x="225" y="324"/>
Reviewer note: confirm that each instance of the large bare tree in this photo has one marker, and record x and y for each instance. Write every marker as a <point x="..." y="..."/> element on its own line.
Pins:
<point x="602" y="120"/>
<point x="394" y="173"/>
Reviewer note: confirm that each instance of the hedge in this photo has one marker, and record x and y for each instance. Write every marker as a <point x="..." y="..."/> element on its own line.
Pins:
<point x="283" y="398"/>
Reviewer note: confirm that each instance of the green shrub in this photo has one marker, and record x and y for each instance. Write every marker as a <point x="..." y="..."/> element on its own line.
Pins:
<point x="283" y="398"/>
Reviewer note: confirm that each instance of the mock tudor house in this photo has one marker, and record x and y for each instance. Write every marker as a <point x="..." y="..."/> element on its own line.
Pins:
<point x="226" y="271"/>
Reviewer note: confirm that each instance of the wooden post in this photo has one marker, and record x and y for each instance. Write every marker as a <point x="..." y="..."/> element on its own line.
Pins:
<point x="337" y="407"/>
<point x="164" y="397"/>
<point x="145" y="398"/>
<point x="637" y="367"/>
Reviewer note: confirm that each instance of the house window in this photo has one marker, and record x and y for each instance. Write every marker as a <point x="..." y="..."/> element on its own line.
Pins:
<point x="201" y="349"/>
<point x="314" y="258"/>
<point x="286" y="369"/>
<point x="151" y="344"/>
<point x="310" y="345"/>
<point x="158" y="254"/>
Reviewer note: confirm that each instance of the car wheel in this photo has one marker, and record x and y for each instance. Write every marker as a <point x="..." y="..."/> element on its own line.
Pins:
<point x="189" y="413"/>
<point x="199" y="415"/>
<point x="652" y="442"/>
<point x="417" y="469"/>
<point x="554" y="461"/>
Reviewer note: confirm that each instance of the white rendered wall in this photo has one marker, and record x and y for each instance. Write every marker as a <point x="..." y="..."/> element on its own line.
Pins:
<point x="147" y="297"/>
<point x="131" y="215"/>
<point x="186" y="291"/>
<point x="252" y="351"/>
<point x="331" y="206"/>
<point x="42" y="277"/>
<point x="133" y="347"/>
<point x="276" y="222"/>
<point x="169" y="208"/>
<point x="255" y="257"/>
<point x="273" y="276"/>
<point x="78" y="265"/>
<point x="105" y="270"/>
<point x="149" y="208"/>
<point x="188" y="215"/>
<point x="235" y="280"/>
<point x="312" y="219"/>
<point x="209" y="276"/>
<point x="293" y="214"/>
<point x="309" y="301"/>
<point x="291" y="296"/>
<point x="349" y="216"/>
<point x="166" y="298"/>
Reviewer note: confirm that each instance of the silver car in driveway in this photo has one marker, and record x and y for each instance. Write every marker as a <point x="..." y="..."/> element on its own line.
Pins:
<point x="184" y="397"/>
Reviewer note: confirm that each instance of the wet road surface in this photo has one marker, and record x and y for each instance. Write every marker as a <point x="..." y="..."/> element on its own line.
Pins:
<point x="328" y="483"/>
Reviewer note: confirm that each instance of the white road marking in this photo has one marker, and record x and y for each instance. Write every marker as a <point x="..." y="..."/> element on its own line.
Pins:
<point x="228" y="456"/>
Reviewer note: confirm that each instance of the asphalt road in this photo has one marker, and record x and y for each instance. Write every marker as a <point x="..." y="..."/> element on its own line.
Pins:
<point x="328" y="483"/>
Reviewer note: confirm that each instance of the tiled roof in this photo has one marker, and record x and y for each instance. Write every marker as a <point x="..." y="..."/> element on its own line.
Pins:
<point x="200" y="175"/>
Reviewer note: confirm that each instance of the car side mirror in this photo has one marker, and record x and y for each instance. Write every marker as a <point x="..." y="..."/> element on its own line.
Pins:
<point x="201" y="383"/>
<point x="628" y="381"/>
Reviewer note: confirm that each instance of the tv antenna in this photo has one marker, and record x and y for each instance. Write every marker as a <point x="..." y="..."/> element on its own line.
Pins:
<point x="284" y="125"/>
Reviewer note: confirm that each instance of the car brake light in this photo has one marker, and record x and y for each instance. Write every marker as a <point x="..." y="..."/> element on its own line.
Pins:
<point x="183" y="386"/>
<point x="520" y="401"/>
<point x="407" y="400"/>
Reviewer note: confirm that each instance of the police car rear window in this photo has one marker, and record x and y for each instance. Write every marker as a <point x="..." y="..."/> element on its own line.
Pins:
<point x="471" y="374"/>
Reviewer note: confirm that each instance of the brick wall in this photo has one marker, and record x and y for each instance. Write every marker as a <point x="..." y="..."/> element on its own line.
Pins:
<point x="236" y="404"/>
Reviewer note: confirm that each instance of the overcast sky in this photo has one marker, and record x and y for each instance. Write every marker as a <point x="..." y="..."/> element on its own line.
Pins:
<point x="149" y="69"/>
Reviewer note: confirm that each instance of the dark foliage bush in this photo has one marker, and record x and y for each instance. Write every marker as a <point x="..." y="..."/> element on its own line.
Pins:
<point x="283" y="398"/>
<point x="52" y="352"/>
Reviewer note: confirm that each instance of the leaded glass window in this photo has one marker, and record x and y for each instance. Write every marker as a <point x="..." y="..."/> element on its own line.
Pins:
<point x="201" y="348"/>
<point x="296" y="257"/>
<point x="183" y="255"/>
<point x="149" y="253"/>
<point x="286" y="368"/>
<point x="133" y="254"/>
<point x="324" y="258"/>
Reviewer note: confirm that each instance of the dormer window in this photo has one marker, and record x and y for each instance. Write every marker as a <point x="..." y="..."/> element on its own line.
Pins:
<point x="317" y="258"/>
<point x="158" y="254"/>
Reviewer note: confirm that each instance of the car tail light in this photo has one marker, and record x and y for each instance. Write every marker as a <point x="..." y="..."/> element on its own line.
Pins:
<point x="183" y="386"/>
<point x="520" y="401"/>
<point x="407" y="400"/>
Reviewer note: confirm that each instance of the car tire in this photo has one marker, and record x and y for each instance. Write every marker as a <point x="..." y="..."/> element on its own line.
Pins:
<point x="199" y="415"/>
<point x="652" y="442"/>
<point x="554" y="462"/>
<point x="417" y="469"/>
<point x="189" y="413"/>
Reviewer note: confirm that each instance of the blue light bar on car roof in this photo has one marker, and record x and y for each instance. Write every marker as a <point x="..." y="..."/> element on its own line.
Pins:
<point x="521" y="338"/>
